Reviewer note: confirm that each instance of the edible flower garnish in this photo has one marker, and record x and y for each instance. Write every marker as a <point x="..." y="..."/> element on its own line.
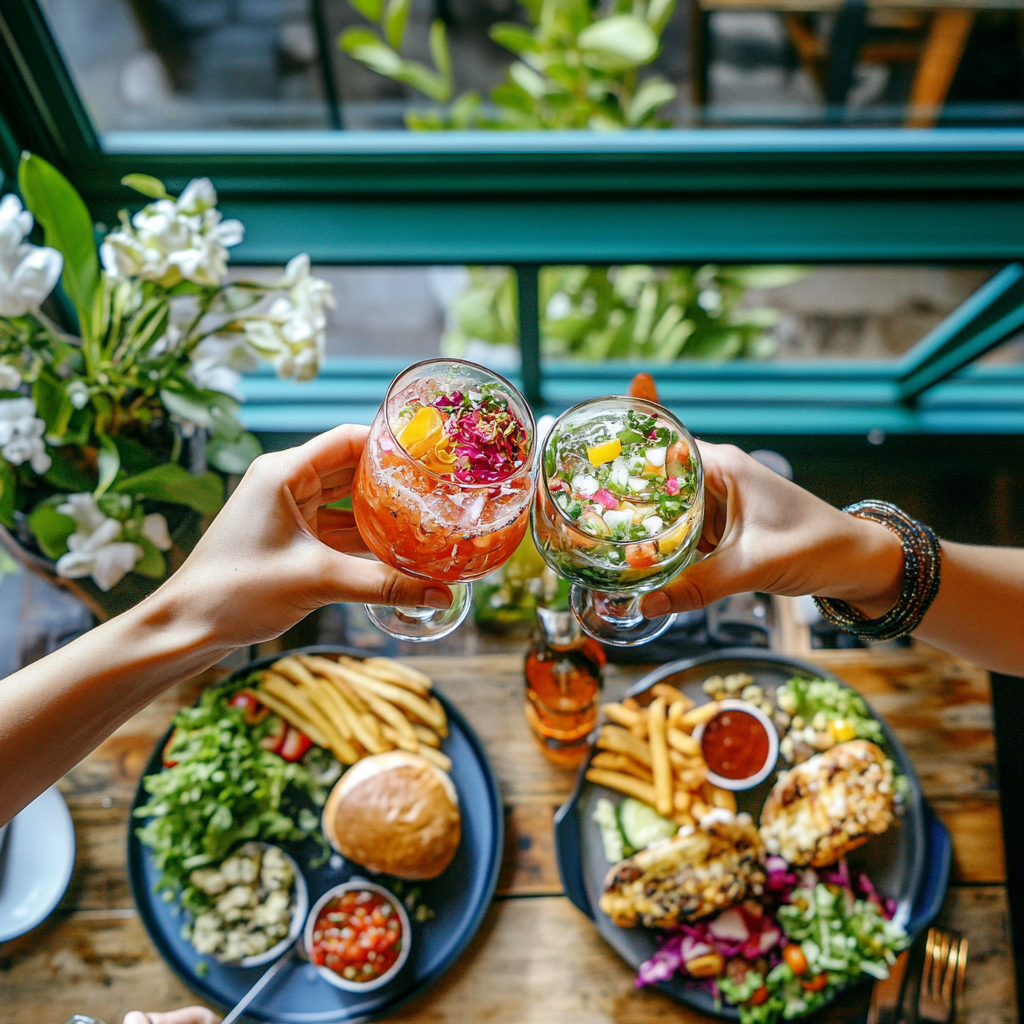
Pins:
<point x="472" y="437"/>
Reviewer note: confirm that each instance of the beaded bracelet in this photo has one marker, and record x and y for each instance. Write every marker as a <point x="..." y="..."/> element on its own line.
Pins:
<point x="922" y="563"/>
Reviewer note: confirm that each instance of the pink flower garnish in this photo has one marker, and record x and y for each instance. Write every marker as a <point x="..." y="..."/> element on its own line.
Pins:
<point x="607" y="499"/>
<point x="487" y="439"/>
<point x="672" y="485"/>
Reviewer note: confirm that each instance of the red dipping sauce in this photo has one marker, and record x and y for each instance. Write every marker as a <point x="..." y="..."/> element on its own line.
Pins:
<point x="358" y="935"/>
<point x="735" y="744"/>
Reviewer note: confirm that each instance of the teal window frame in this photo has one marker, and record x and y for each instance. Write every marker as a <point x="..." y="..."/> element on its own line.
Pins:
<point x="531" y="199"/>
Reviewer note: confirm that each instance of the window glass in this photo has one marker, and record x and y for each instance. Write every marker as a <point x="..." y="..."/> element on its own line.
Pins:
<point x="277" y="64"/>
<point x="779" y="314"/>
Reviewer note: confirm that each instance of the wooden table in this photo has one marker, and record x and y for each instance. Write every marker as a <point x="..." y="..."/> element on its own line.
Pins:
<point x="536" y="958"/>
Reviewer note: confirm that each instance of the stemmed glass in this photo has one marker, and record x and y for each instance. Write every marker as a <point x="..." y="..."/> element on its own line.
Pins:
<point x="619" y="511"/>
<point x="444" y="485"/>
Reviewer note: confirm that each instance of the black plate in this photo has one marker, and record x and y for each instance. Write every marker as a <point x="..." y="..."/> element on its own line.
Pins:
<point x="460" y="897"/>
<point x="910" y="862"/>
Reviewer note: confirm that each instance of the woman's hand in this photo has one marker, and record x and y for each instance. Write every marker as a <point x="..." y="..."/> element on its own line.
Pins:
<point x="274" y="553"/>
<point x="762" y="532"/>
<point x="186" y="1015"/>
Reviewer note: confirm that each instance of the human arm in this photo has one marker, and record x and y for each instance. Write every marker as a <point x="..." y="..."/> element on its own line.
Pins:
<point x="186" y="1015"/>
<point x="272" y="555"/>
<point x="764" y="533"/>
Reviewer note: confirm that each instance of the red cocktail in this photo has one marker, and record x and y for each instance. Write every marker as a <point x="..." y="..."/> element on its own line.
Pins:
<point x="444" y="485"/>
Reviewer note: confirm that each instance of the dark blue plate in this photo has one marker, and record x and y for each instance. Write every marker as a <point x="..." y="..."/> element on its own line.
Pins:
<point x="910" y="862"/>
<point x="459" y="897"/>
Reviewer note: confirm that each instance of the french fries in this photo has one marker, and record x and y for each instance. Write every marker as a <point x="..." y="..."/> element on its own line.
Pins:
<point x="355" y="708"/>
<point x="621" y="741"/>
<point x="660" y="767"/>
<point x="628" y="784"/>
<point x="649" y="753"/>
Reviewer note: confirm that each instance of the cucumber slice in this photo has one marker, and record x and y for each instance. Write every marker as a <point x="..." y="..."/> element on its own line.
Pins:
<point x="643" y="825"/>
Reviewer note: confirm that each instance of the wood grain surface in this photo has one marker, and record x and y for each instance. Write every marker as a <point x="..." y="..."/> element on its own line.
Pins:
<point x="537" y="959"/>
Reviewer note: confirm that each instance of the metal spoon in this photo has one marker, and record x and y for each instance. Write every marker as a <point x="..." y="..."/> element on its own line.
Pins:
<point x="261" y="983"/>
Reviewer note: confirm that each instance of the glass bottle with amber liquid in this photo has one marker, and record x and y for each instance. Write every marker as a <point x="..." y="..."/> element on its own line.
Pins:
<point x="563" y="684"/>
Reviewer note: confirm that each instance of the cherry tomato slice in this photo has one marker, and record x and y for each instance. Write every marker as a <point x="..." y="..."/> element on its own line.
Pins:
<point x="794" y="956"/>
<point x="274" y="739"/>
<point x="758" y="997"/>
<point x="815" y="983"/>
<point x="642" y="556"/>
<point x="295" y="744"/>
<point x="169" y="761"/>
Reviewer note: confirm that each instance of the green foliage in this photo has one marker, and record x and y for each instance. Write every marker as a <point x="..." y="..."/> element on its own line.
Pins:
<point x="56" y="205"/>
<point x="175" y="485"/>
<point x="575" y="67"/>
<point x="52" y="528"/>
<point x="630" y="312"/>
<point x="146" y="184"/>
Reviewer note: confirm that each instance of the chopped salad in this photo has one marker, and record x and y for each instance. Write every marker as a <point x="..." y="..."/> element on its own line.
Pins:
<point x="626" y="478"/>
<point x="781" y="960"/>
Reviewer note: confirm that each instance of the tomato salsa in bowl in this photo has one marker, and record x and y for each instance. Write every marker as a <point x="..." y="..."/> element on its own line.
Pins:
<point x="357" y="936"/>
<point x="740" y="745"/>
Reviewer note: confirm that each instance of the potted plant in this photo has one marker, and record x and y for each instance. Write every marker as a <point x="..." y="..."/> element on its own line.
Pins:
<point x="116" y="438"/>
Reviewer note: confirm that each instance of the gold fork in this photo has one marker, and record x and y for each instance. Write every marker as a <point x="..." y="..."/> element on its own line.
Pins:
<point x="942" y="980"/>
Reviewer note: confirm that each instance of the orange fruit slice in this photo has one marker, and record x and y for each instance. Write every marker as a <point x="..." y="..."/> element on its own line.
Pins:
<point x="422" y="432"/>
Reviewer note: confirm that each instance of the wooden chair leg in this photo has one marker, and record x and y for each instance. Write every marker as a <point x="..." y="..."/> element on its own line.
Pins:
<point x="943" y="49"/>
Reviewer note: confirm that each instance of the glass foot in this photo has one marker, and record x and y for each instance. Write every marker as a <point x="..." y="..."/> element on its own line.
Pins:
<point x="419" y="625"/>
<point x="615" y="619"/>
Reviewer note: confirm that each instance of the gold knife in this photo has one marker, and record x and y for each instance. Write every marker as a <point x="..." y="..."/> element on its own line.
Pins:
<point x="887" y="995"/>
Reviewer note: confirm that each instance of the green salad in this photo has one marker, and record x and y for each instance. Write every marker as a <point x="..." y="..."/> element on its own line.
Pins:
<point x="220" y="787"/>
<point x="833" y="939"/>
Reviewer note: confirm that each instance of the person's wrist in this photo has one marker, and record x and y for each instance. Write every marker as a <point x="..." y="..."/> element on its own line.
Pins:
<point x="868" y="573"/>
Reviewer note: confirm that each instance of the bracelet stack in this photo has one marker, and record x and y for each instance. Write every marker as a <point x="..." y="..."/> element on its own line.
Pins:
<point x="922" y="563"/>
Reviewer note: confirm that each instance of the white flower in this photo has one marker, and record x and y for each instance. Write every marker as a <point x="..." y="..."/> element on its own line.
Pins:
<point x="94" y="549"/>
<point x="154" y="529"/>
<point x="293" y="331"/>
<point x="21" y="434"/>
<point x="219" y="362"/>
<point x="172" y="240"/>
<point x="78" y="394"/>
<point x="28" y="273"/>
<point x="10" y="378"/>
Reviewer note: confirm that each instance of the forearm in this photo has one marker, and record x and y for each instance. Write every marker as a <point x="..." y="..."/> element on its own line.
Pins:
<point x="55" y="711"/>
<point x="979" y="611"/>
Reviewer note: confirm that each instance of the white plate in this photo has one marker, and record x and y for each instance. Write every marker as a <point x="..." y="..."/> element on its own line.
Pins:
<point x="36" y="863"/>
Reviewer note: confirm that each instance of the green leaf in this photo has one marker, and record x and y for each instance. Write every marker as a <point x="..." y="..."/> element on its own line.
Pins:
<point x="67" y="473"/>
<point x="371" y="9"/>
<point x="51" y="529"/>
<point x="152" y="563"/>
<point x="659" y="12"/>
<point x="205" y="408"/>
<point x="53" y="406"/>
<point x="514" y="37"/>
<point x="233" y="455"/>
<point x="7" y="493"/>
<point x="528" y="80"/>
<point x="395" y="17"/>
<point x="147" y="185"/>
<point x="649" y="98"/>
<point x="109" y="459"/>
<point x="427" y="81"/>
<point x="67" y="225"/>
<point x="368" y="49"/>
<point x="135" y="456"/>
<point x="618" y="43"/>
<point x="439" y="52"/>
<point x="176" y="486"/>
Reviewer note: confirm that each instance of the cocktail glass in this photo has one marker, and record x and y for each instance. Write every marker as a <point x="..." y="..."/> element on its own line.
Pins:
<point x="451" y="503"/>
<point x="606" y="541"/>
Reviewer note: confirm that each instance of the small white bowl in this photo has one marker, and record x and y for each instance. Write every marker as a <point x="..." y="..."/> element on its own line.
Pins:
<point x="300" y="907"/>
<point x="333" y="977"/>
<point x="732" y="704"/>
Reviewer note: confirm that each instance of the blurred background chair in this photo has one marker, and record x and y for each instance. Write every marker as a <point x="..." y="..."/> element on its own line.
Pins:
<point x="829" y="37"/>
